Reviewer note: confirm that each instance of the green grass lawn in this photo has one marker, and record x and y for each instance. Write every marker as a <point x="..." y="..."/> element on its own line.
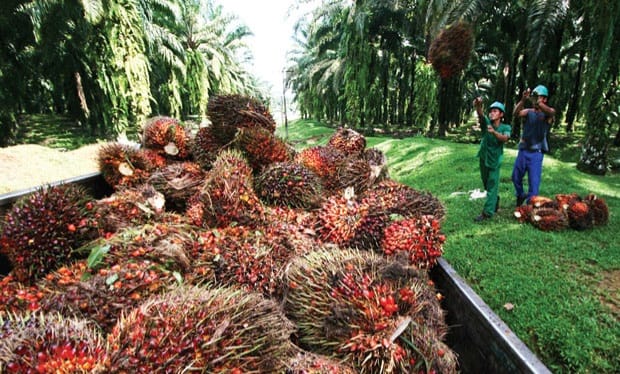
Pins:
<point x="563" y="285"/>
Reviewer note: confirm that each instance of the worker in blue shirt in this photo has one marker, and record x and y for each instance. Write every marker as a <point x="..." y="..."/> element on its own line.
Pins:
<point x="533" y="142"/>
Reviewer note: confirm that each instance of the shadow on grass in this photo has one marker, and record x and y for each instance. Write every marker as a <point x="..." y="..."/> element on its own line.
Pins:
<point x="53" y="131"/>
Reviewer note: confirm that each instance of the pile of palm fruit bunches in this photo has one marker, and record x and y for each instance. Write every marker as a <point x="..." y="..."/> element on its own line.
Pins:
<point x="224" y="250"/>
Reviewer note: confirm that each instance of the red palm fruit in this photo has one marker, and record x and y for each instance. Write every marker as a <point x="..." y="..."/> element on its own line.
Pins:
<point x="50" y="343"/>
<point x="227" y="195"/>
<point x="564" y="200"/>
<point x="123" y="165"/>
<point x="129" y="207"/>
<point x="450" y="51"/>
<point x="339" y="219"/>
<point x="360" y="308"/>
<point x="178" y="182"/>
<point x="420" y="239"/>
<point x="394" y="197"/>
<point x="324" y="162"/>
<point x="107" y="292"/>
<point x="523" y="213"/>
<point x="167" y="136"/>
<point x="231" y="112"/>
<point x="19" y="298"/>
<point x="288" y="184"/>
<point x="579" y="215"/>
<point x="42" y="230"/>
<point x="599" y="209"/>
<point x="205" y="147"/>
<point x="200" y="329"/>
<point x="261" y="147"/>
<point x="252" y="259"/>
<point x="347" y="141"/>
<point x="542" y="202"/>
<point x="155" y="159"/>
<point x="549" y="219"/>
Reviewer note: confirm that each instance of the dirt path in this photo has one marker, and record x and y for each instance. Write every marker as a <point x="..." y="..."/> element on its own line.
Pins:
<point x="30" y="165"/>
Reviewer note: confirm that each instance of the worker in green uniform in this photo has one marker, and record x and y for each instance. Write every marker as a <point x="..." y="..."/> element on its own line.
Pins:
<point x="494" y="134"/>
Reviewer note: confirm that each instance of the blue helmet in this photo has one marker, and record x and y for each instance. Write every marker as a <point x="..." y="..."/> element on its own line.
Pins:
<point x="498" y="105"/>
<point x="541" y="90"/>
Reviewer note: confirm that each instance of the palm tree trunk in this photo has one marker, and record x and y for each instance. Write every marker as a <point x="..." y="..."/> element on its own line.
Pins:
<point x="573" y="104"/>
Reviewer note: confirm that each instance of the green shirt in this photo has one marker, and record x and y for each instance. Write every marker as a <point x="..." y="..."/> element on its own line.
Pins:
<point x="492" y="150"/>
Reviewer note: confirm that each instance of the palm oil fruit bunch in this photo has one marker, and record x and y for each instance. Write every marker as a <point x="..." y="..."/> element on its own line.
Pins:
<point x="166" y="136"/>
<point x="347" y="141"/>
<point x="131" y="206"/>
<point x="355" y="172"/>
<point x="549" y="219"/>
<point x="374" y="314"/>
<point x="18" y="298"/>
<point x="339" y="219"/>
<point x="204" y="147"/>
<point x="289" y="184"/>
<point x="378" y="163"/>
<point x="123" y="164"/>
<point x="227" y="195"/>
<point x="42" y="229"/>
<point x="261" y="147"/>
<point x="310" y="363"/>
<point x="599" y="209"/>
<point x="196" y="329"/>
<point x="579" y="215"/>
<point x="419" y="238"/>
<point x="50" y="343"/>
<point x="450" y="51"/>
<point x="108" y="292"/>
<point x="178" y="181"/>
<point x="231" y="112"/>
<point x="323" y="161"/>
<point x="398" y="198"/>
<point x="252" y="259"/>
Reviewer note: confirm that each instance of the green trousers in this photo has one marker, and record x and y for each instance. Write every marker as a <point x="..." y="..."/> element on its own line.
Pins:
<point x="490" y="181"/>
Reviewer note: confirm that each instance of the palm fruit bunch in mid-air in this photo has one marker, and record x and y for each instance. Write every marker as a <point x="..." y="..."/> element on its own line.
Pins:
<point x="202" y="329"/>
<point x="450" y="51"/>
<point x="565" y="210"/>
<point x="41" y="230"/>
<point x="289" y="184"/>
<point x="228" y="113"/>
<point x="374" y="314"/>
<point x="50" y="343"/>
<point x="167" y="137"/>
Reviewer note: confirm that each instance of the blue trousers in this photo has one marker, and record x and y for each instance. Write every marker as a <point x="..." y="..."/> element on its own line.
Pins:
<point x="530" y="163"/>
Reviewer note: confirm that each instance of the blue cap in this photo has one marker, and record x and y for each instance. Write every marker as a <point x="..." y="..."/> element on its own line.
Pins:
<point x="498" y="105"/>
